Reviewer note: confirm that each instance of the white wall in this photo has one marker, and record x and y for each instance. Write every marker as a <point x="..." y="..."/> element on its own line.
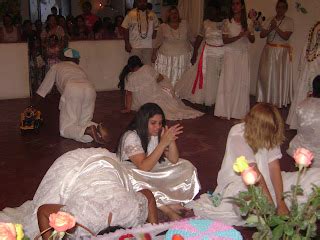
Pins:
<point x="302" y="25"/>
<point x="14" y="71"/>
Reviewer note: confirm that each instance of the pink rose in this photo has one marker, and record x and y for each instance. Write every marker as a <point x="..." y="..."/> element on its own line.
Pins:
<point x="252" y="14"/>
<point x="7" y="231"/>
<point x="249" y="176"/>
<point x="61" y="221"/>
<point x="303" y="157"/>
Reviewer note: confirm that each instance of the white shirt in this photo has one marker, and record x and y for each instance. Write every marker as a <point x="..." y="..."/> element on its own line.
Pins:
<point x="62" y="73"/>
<point x="286" y="25"/>
<point x="140" y="33"/>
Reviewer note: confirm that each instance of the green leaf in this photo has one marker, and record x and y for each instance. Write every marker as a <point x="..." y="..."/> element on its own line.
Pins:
<point x="252" y="220"/>
<point x="288" y="230"/>
<point x="277" y="232"/>
<point x="296" y="237"/>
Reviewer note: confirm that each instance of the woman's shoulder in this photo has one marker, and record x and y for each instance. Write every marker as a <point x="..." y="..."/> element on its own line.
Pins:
<point x="237" y="129"/>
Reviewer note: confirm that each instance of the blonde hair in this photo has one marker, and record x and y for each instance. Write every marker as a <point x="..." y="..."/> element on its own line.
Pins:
<point x="264" y="127"/>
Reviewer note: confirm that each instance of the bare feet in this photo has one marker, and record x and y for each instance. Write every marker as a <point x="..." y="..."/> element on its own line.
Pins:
<point x="170" y="213"/>
<point x="93" y="132"/>
<point x="103" y="132"/>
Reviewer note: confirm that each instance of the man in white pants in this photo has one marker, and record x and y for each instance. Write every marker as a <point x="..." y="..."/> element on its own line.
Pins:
<point x="77" y="99"/>
<point x="140" y="27"/>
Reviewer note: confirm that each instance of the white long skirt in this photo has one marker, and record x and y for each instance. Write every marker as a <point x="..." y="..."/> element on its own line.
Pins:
<point x="169" y="183"/>
<point x="173" y="66"/>
<point x="212" y="69"/>
<point x="233" y="95"/>
<point x="229" y="213"/>
<point x="275" y="84"/>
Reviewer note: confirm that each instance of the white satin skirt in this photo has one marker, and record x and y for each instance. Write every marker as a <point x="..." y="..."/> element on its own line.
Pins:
<point x="275" y="84"/>
<point x="233" y="95"/>
<point x="169" y="183"/>
<point x="212" y="69"/>
<point x="173" y="66"/>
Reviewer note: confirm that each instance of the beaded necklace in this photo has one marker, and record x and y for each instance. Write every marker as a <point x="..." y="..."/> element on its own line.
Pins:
<point x="275" y="33"/>
<point x="143" y="35"/>
<point x="311" y="52"/>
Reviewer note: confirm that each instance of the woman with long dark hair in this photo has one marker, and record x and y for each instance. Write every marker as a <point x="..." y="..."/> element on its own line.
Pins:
<point x="275" y="77"/>
<point x="148" y="150"/>
<point x="143" y="84"/>
<point x="234" y="87"/>
<point x="52" y="28"/>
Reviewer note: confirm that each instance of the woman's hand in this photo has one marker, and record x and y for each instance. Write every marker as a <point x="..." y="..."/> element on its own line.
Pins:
<point x="128" y="47"/>
<point x="169" y="135"/>
<point x="282" y="209"/>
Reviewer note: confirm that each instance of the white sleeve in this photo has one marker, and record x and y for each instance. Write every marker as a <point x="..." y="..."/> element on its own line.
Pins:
<point x="47" y="83"/>
<point x="132" y="144"/>
<point x="126" y="22"/>
<point x="274" y="154"/>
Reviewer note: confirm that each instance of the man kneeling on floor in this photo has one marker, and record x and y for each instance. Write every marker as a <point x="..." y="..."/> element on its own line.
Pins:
<point x="77" y="99"/>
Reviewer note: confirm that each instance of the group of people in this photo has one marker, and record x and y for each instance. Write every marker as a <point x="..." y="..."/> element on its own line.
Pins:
<point x="125" y="188"/>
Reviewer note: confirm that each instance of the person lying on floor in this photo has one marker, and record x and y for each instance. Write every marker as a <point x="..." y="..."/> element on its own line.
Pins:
<point x="258" y="138"/>
<point x="90" y="184"/>
<point x="148" y="150"/>
<point x="77" y="100"/>
<point x="143" y="84"/>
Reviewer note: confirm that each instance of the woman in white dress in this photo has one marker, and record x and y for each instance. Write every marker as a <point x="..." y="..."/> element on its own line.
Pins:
<point x="199" y="84"/>
<point x="258" y="139"/>
<point x="234" y="87"/>
<point x="172" y="52"/>
<point x="148" y="150"/>
<point x="309" y="69"/>
<point x="90" y="184"/>
<point x="275" y="68"/>
<point x="308" y="130"/>
<point x="9" y="33"/>
<point x="143" y="84"/>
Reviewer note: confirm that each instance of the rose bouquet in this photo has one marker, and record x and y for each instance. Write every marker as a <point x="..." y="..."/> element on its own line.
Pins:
<point x="10" y="231"/>
<point x="301" y="223"/>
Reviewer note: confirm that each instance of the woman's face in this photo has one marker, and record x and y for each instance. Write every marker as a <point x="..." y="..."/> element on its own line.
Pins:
<point x="236" y="6"/>
<point x="173" y="15"/>
<point x="281" y="9"/>
<point x="155" y="125"/>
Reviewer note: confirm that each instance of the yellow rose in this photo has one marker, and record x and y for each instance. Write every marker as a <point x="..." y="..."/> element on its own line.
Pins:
<point x="240" y="165"/>
<point x="19" y="231"/>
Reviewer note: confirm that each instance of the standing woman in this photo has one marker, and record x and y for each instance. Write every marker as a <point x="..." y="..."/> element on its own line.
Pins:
<point x="9" y="33"/>
<point x="199" y="84"/>
<point x="173" y="48"/>
<point x="275" y="70"/>
<point x="234" y="87"/>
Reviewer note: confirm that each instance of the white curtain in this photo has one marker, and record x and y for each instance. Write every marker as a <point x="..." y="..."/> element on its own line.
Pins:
<point x="192" y="11"/>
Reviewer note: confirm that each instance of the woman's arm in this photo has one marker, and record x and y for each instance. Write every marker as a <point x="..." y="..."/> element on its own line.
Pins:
<point x="251" y="37"/>
<point x="195" y="49"/>
<point x="128" y="102"/>
<point x="227" y="39"/>
<point x="168" y="136"/>
<point x="276" y="179"/>
<point x="173" y="153"/>
<point x="284" y="35"/>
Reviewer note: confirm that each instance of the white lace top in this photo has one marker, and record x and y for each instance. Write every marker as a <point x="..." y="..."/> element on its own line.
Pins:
<point x="131" y="145"/>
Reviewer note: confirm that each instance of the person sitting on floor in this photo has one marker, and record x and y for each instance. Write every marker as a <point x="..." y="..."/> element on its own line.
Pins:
<point x="258" y="138"/>
<point x="308" y="115"/>
<point x="90" y="184"/>
<point x="77" y="99"/>
<point x="148" y="150"/>
<point x="144" y="84"/>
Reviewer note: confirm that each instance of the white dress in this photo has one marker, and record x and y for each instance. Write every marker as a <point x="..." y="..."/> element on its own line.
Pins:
<point x="175" y="51"/>
<point x="144" y="87"/>
<point x="234" y="87"/>
<point x="200" y="83"/>
<point x="90" y="183"/>
<point x="275" y="76"/>
<point x="308" y="116"/>
<point x="77" y="101"/>
<point x="170" y="183"/>
<point x="308" y="71"/>
<point x="230" y="184"/>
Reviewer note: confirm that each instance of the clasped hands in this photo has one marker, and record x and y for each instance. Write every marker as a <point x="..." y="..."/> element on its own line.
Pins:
<point x="170" y="134"/>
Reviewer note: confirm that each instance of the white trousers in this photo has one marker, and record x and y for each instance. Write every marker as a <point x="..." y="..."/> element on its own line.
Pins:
<point x="76" y="111"/>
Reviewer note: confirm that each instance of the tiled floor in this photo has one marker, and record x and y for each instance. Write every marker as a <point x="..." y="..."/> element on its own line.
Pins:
<point x="25" y="159"/>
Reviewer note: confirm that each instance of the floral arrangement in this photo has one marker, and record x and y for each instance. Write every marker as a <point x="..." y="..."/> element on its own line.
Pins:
<point x="300" y="8"/>
<point x="313" y="43"/>
<point x="260" y="213"/>
<point x="10" y="231"/>
<point x="257" y="18"/>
